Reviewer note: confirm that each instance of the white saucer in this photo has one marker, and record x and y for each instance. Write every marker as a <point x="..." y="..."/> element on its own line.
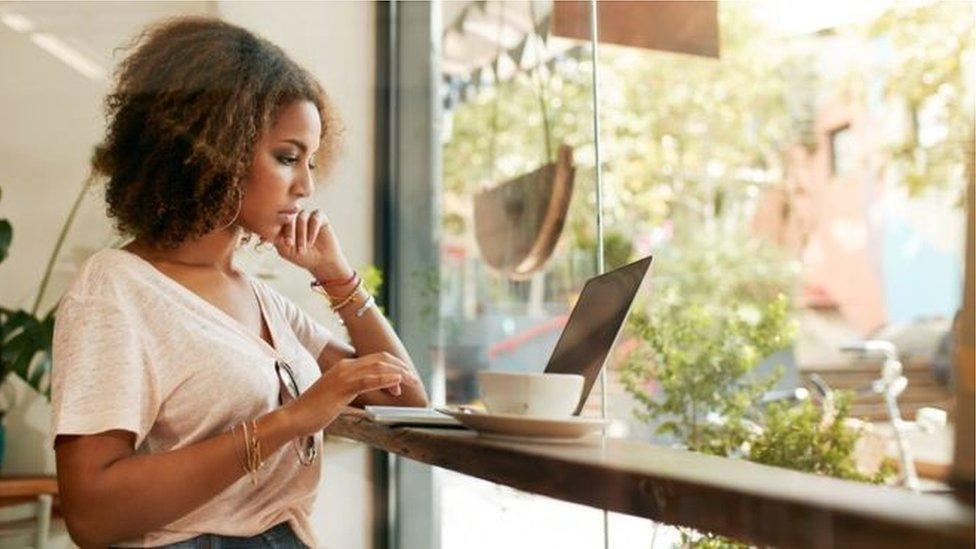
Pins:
<point x="515" y="425"/>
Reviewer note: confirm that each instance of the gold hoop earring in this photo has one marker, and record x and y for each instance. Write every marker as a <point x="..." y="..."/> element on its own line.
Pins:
<point x="240" y="202"/>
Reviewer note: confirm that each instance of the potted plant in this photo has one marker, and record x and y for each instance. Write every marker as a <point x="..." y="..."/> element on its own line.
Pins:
<point x="26" y="336"/>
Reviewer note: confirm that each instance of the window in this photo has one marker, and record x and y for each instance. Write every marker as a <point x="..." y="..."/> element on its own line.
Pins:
<point x="762" y="271"/>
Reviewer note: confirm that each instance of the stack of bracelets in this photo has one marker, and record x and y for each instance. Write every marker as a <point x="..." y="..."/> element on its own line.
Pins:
<point x="252" y="460"/>
<point x="352" y="298"/>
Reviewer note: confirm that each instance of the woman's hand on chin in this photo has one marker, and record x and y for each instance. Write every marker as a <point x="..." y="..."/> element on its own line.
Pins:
<point x="308" y="241"/>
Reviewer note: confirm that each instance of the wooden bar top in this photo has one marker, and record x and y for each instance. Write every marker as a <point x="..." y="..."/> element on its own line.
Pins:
<point x="16" y="486"/>
<point x="18" y="490"/>
<point x="747" y="501"/>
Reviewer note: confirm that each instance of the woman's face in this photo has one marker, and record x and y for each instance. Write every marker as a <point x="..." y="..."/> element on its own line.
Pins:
<point x="281" y="172"/>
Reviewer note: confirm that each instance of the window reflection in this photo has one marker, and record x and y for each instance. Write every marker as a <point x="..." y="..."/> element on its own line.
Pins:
<point x="799" y="192"/>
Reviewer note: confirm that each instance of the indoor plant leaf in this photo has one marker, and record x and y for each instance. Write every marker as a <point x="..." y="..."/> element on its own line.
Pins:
<point x="6" y="235"/>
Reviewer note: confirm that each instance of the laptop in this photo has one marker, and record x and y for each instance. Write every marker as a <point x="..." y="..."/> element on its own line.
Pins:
<point x="583" y="347"/>
<point x="595" y="323"/>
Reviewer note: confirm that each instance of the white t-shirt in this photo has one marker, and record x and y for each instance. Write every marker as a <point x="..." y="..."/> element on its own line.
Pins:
<point x="136" y="350"/>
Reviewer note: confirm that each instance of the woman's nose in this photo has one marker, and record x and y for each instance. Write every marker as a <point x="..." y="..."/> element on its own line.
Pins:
<point x="306" y="183"/>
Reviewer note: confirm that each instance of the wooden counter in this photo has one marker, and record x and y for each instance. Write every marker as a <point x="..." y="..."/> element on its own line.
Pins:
<point x="20" y="490"/>
<point x="756" y="503"/>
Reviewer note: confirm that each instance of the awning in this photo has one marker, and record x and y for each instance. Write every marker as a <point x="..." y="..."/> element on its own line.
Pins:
<point x="489" y="40"/>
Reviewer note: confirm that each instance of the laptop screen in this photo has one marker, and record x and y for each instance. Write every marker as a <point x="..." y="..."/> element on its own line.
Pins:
<point x="593" y="325"/>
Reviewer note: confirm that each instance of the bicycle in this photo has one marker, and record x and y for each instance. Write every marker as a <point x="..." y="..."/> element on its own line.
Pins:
<point x="890" y="384"/>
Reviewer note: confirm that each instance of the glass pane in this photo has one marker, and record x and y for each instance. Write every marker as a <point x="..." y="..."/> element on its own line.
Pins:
<point x="801" y="193"/>
<point x="514" y="95"/>
<point x="796" y="171"/>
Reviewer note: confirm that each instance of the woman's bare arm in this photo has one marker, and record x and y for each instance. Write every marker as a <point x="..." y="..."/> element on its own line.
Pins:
<point x="411" y="391"/>
<point x="309" y="241"/>
<point x="110" y="494"/>
<point x="372" y="333"/>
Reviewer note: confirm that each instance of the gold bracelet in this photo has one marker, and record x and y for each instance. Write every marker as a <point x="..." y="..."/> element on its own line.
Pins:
<point x="257" y="441"/>
<point x="237" y="450"/>
<point x="258" y="461"/>
<point x="253" y="450"/>
<point x="351" y="298"/>
<point x="328" y="297"/>
<point x="248" y="455"/>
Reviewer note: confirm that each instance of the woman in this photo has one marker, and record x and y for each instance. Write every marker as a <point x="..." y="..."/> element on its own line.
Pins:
<point x="188" y="397"/>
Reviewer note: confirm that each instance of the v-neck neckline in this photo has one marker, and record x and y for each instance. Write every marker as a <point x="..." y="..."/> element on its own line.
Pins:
<point x="273" y="346"/>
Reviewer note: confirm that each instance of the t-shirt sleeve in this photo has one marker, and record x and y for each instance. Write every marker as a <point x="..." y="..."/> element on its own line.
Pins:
<point x="310" y="332"/>
<point x="101" y="376"/>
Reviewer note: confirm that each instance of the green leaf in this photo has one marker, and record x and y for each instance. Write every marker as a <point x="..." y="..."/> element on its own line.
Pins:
<point x="22" y="361"/>
<point x="6" y="236"/>
<point x="23" y="338"/>
<point x="46" y="329"/>
<point x="14" y="326"/>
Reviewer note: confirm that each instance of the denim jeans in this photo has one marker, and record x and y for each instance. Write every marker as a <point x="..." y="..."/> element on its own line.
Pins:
<point x="277" y="537"/>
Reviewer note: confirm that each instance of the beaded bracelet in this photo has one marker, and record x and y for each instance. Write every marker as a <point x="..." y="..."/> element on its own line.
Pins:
<point x="336" y="281"/>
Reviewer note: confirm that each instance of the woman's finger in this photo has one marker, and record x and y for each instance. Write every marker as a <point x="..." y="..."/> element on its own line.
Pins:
<point x="290" y="231"/>
<point x="301" y="231"/>
<point x="388" y="358"/>
<point x="314" y="224"/>
<point x="376" y="382"/>
<point x="281" y="240"/>
<point x="373" y="364"/>
<point x="406" y="373"/>
<point x="382" y="368"/>
<point x="384" y="356"/>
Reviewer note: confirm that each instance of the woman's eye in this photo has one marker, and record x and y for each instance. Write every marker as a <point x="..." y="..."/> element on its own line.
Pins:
<point x="292" y="160"/>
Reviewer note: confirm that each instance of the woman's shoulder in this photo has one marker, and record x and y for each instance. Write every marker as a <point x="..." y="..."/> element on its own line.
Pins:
<point x="106" y="273"/>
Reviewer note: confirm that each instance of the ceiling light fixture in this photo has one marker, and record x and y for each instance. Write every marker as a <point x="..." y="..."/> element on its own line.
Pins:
<point x="68" y="55"/>
<point x="17" y="21"/>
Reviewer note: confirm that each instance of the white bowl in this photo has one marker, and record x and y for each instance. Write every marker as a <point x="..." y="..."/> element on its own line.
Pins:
<point x="531" y="394"/>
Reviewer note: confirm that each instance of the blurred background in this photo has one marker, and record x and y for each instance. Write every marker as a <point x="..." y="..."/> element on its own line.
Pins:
<point x="57" y="59"/>
<point x="797" y="169"/>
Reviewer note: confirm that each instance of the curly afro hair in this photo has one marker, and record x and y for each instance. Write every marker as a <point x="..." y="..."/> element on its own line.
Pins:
<point x="189" y="105"/>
